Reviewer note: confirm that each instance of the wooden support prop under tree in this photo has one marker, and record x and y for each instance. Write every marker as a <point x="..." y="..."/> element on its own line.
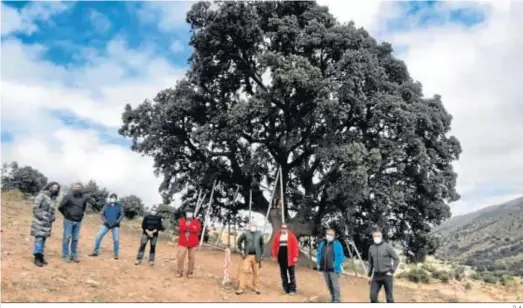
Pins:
<point x="351" y="244"/>
<point x="282" y="199"/>
<point x="227" y="222"/>
<point x="272" y="199"/>
<point x="207" y="213"/>
<point x="352" y="261"/>
<point x="199" y="204"/>
<point x="250" y="205"/>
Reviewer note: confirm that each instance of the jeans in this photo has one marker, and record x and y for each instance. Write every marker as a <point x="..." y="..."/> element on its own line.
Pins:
<point x="39" y="246"/>
<point x="103" y="231"/>
<point x="71" y="235"/>
<point x="331" y="279"/>
<point x="152" y="249"/>
<point x="379" y="280"/>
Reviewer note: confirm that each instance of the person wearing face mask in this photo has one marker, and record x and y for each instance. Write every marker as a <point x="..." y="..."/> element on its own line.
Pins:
<point x="151" y="225"/>
<point x="72" y="207"/>
<point x="251" y="245"/>
<point x="329" y="260"/>
<point x="383" y="262"/>
<point x="286" y="250"/>
<point x="111" y="214"/>
<point x="43" y="218"/>
<point x="188" y="239"/>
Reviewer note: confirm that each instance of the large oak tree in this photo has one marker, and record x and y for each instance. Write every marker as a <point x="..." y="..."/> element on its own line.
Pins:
<point x="285" y="84"/>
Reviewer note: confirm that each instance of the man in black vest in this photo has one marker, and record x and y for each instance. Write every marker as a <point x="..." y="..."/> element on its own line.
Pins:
<point x="73" y="208"/>
<point x="151" y="225"/>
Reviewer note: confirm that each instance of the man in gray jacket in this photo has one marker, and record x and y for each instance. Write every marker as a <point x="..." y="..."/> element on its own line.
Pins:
<point x="383" y="262"/>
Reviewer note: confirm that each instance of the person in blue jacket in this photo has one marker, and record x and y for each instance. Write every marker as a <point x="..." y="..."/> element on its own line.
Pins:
<point x="329" y="260"/>
<point x="112" y="214"/>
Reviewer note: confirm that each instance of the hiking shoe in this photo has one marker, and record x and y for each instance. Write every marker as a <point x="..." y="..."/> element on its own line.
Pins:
<point x="94" y="254"/>
<point x="115" y="257"/>
<point x="38" y="261"/>
<point x="138" y="262"/>
<point x="292" y="293"/>
<point x="44" y="262"/>
<point x="75" y="260"/>
<point x="257" y="291"/>
<point x="239" y="292"/>
<point x="151" y="263"/>
<point x="179" y="275"/>
<point x="189" y="276"/>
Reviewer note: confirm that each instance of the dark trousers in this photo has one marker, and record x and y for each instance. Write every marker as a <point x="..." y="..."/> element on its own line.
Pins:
<point x="288" y="277"/>
<point x="379" y="280"/>
<point x="288" y="273"/>
<point x="152" y="248"/>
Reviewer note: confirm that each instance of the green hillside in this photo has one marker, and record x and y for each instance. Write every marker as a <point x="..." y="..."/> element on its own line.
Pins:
<point x="488" y="239"/>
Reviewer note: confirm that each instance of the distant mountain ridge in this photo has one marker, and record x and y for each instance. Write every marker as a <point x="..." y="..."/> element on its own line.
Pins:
<point x="490" y="238"/>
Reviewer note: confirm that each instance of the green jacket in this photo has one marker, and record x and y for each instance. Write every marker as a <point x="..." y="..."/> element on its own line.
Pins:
<point x="249" y="238"/>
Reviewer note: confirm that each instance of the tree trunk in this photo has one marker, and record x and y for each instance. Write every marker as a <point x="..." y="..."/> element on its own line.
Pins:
<point x="295" y="226"/>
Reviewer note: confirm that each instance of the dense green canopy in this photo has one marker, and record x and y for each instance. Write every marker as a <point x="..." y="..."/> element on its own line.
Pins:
<point x="284" y="83"/>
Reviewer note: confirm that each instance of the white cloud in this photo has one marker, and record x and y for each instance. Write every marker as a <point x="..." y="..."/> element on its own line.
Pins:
<point x="32" y="89"/>
<point x="100" y="22"/>
<point x="25" y="20"/>
<point x="166" y="15"/>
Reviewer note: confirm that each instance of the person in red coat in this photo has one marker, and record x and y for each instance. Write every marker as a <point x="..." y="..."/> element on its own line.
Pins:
<point x="286" y="250"/>
<point x="190" y="228"/>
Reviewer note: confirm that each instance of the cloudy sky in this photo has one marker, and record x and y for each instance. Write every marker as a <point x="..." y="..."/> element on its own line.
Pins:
<point x="69" y="68"/>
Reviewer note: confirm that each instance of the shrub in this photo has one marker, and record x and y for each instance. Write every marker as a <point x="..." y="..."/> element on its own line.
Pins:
<point x="444" y="276"/>
<point x="429" y="268"/>
<point x="417" y="275"/>
<point x="490" y="278"/>
<point x="476" y="276"/>
<point x="459" y="273"/>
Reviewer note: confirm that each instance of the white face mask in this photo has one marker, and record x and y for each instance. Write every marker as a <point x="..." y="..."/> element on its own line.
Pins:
<point x="112" y="200"/>
<point x="377" y="240"/>
<point x="153" y="213"/>
<point x="252" y="229"/>
<point x="189" y="215"/>
<point x="329" y="238"/>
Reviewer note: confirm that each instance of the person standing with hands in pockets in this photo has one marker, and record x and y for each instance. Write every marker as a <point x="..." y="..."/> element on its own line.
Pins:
<point x="383" y="262"/>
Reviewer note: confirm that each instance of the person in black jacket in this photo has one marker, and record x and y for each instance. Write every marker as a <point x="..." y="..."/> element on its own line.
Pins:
<point x="73" y="208"/>
<point x="151" y="225"/>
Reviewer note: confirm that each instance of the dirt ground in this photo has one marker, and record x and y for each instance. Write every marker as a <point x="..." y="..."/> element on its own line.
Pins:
<point x="103" y="279"/>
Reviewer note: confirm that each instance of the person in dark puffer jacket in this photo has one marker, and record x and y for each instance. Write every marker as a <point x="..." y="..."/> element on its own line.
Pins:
<point x="43" y="218"/>
<point x="111" y="214"/>
<point x="73" y="207"/>
<point x="151" y="226"/>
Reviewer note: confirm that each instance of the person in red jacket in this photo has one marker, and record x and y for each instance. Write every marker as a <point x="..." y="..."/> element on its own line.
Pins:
<point x="286" y="250"/>
<point x="188" y="239"/>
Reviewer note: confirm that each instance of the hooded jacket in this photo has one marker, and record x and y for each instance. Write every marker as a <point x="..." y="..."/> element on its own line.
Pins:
<point x="43" y="213"/>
